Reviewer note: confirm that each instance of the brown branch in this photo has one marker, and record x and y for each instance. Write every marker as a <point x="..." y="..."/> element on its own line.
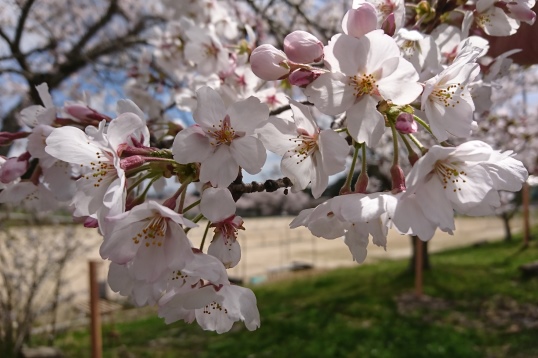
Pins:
<point x="112" y="9"/>
<point x="269" y="186"/>
<point x="25" y="10"/>
<point x="287" y="107"/>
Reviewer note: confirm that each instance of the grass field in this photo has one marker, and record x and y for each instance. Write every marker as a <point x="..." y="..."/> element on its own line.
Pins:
<point x="476" y="305"/>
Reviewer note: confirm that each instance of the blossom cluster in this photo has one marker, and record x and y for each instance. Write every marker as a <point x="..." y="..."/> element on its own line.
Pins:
<point x="376" y="79"/>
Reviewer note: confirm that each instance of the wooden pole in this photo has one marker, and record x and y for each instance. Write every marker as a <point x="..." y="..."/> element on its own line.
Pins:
<point x="419" y="258"/>
<point x="95" y="314"/>
<point x="526" y="216"/>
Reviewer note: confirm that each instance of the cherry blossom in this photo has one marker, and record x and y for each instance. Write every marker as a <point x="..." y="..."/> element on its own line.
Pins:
<point x="466" y="178"/>
<point x="218" y="206"/>
<point x="500" y="18"/>
<point x="222" y="140"/>
<point x="309" y="154"/>
<point x="356" y="83"/>
<point x="447" y="100"/>
<point x="103" y="180"/>
<point x="201" y="58"/>
<point x="151" y="237"/>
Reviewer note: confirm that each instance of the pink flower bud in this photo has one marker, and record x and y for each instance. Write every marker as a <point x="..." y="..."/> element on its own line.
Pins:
<point x="269" y="63"/>
<point x="398" y="179"/>
<point x="84" y="113"/>
<point x="132" y="162"/>
<point x="520" y="11"/>
<point x="303" y="47"/>
<point x="125" y="150"/>
<point x="405" y="123"/>
<point x="91" y="222"/>
<point x="389" y="25"/>
<point x="360" y="21"/>
<point x="14" y="168"/>
<point x="303" y="77"/>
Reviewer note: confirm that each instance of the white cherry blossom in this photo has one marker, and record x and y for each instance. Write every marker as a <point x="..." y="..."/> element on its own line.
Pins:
<point x="218" y="206"/>
<point x="363" y="72"/>
<point x="222" y="139"/>
<point x="447" y="100"/>
<point x="465" y="178"/>
<point x="309" y="154"/>
<point x="102" y="182"/>
<point x="151" y="237"/>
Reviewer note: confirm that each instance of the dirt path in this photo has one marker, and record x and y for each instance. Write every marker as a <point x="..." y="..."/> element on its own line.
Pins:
<point x="270" y="247"/>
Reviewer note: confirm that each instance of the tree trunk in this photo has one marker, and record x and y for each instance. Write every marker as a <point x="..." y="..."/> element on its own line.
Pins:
<point x="425" y="256"/>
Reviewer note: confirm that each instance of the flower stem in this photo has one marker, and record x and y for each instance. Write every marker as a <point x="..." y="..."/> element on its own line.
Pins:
<point x="135" y="171"/>
<point x="182" y="201"/>
<point x="145" y="192"/>
<point x="191" y="206"/>
<point x="205" y="235"/>
<point x="396" y="154"/>
<point x="406" y="143"/>
<point x="418" y="144"/>
<point x="346" y="188"/>
<point x="363" y="159"/>
<point x="139" y="181"/>
<point x="425" y="125"/>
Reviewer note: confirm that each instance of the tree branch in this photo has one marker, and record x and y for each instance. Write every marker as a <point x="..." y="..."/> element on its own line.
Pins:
<point x="25" y="10"/>
<point x="112" y="9"/>
<point x="268" y="186"/>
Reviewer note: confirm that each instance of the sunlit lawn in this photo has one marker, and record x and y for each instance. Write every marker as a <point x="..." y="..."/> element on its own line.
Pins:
<point x="476" y="305"/>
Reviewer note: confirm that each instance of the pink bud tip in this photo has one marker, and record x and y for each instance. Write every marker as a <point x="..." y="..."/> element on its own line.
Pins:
<point x="406" y="124"/>
<point x="84" y="113"/>
<point x="132" y="162"/>
<point x="389" y="25"/>
<point x="269" y="63"/>
<point x="303" y="47"/>
<point x="91" y="222"/>
<point x="13" y="168"/>
<point x="303" y="77"/>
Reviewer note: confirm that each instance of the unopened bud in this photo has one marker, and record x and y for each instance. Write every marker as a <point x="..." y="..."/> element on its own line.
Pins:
<point x="14" y="168"/>
<point x="303" y="77"/>
<point x="132" y="162"/>
<point x="125" y="150"/>
<point x="405" y="123"/>
<point x="425" y="11"/>
<point x="398" y="179"/>
<point x="269" y="63"/>
<point x="389" y="25"/>
<point x="360" y="21"/>
<point x="303" y="47"/>
<point x="91" y="222"/>
<point x="84" y="113"/>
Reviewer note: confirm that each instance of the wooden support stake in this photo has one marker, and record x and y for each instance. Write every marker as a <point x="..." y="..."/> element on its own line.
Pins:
<point x="419" y="258"/>
<point x="95" y="314"/>
<point x="526" y="224"/>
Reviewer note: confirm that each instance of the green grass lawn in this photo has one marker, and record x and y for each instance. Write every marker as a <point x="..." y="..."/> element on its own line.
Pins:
<point x="476" y="305"/>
